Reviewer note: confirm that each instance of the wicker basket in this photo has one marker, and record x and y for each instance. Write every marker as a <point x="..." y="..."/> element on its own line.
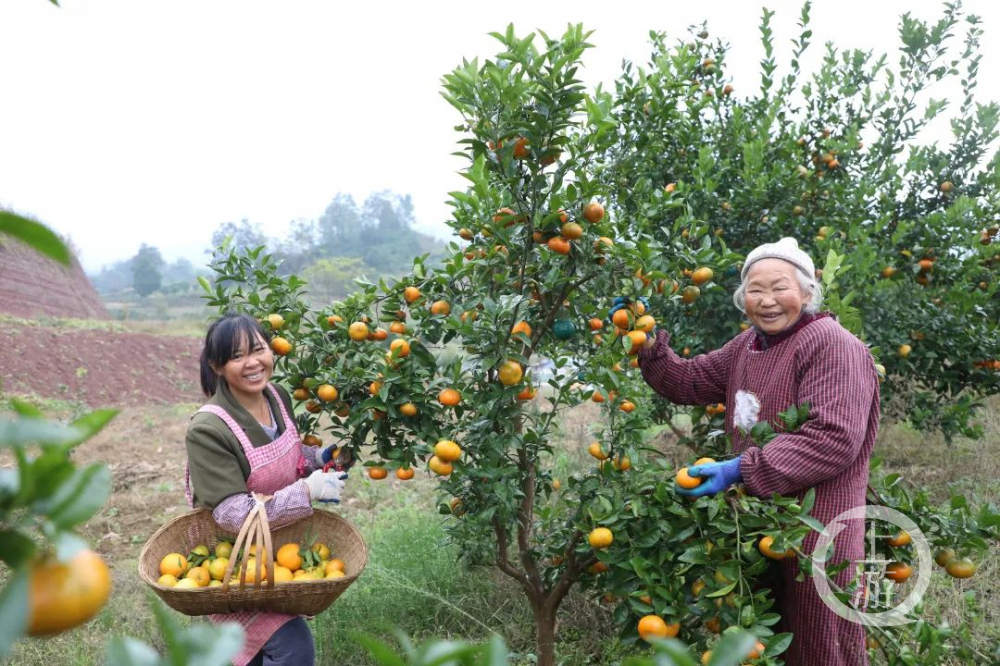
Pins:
<point x="308" y="597"/>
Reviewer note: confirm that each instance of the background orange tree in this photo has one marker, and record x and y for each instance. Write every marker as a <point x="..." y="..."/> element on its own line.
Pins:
<point x="656" y="191"/>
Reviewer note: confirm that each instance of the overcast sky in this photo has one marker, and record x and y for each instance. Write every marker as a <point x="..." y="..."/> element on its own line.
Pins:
<point x="153" y="121"/>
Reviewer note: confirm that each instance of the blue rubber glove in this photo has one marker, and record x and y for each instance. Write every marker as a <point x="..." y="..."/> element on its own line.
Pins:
<point x="716" y="477"/>
<point x="623" y="302"/>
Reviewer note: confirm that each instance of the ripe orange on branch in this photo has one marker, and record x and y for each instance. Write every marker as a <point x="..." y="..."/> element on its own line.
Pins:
<point x="702" y="275"/>
<point x="559" y="245"/>
<point x="400" y="347"/>
<point x="358" y="331"/>
<point x="440" y="467"/>
<point x="440" y="308"/>
<point x="600" y="537"/>
<point x="327" y="393"/>
<point x="281" y="346"/>
<point x="63" y="595"/>
<point x="449" y="397"/>
<point x="510" y="373"/>
<point x="377" y="473"/>
<point x="593" y="212"/>
<point x="447" y="450"/>
<point x="410" y="294"/>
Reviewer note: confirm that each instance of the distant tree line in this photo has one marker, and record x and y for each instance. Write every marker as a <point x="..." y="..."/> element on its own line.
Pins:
<point x="346" y="242"/>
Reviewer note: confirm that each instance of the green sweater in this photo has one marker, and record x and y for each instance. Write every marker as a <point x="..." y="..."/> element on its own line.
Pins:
<point x="218" y="466"/>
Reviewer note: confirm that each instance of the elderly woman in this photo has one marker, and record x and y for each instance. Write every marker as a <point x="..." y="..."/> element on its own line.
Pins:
<point x="792" y="354"/>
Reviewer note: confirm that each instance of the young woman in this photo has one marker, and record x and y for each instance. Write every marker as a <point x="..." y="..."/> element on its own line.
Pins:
<point x="244" y="441"/>
<point x="792" y="354"/>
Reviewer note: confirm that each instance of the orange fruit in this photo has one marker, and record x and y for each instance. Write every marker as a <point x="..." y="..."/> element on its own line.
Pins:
<point x="904" y="350"/>
<point x="645" y="323"/>
<point x="288" y="556"/>
<point x="510" y="373"/>
<point x="358" y="331"/>
<point x="706" y="657"/>
<point x="622" y="319"/>
<point x="521" y="148"/>
<point x="174" y="564"/>
<point x="690" y="294"/>
<point x="702" y="275"/>
<point x="572" y="230"/>
<point x="276" y="321"/>
<point x="926" y="264"/>
<point x="556" y="484"/>
<point x="397" y="327"/>
<point x="449" y="397"/>
<point x="697" y="587"/>
<point x="764" y="546"/>
<point x="447" y="450"/>
<point x="281" y="346"/>
<point x="199" y="575"/>
<point x="756" y="651"/>
<point x="527" y="393"/>
<point x="410" y="294"/>
<point x="622" y="463"/>
<point x="597" y="568"/>
<point x="333" y="320"/>
<point x="559" y="245"/>
<point x="888" y="272"/>
<point x="408" y="409"/>
<point x="900" y="539"/>
<point x="374" y="387"/>
<point x="63" y="595"/>
<point x="404" y="473"/>
<point x="440" y="467"/>
<point x="505" y="215"/>
<point x="627" y="406"/>
<point x="166" y="580"/>
<point x="960" y="568"/>
<point x="600" y="537"/>
<point x="595" y="450"/>
<point x="898" y="571"/>
<point x="326" y="393"/>
<point x="653" y="626"/>
<point x="440" y="308"/>
<point x="400" y="347"/>
<point x="713" y="625"/>
<point x="595" y="324"/>
<point x="597" y="397"/>
<point x="466" y="234"/>
<point x="684" y="480"/>
<point x="944" y="556"/>
<point x="521" y="327"/>
<point x="300" y="394"/>
<point x="593" y="212"/>
<point x="336" y="564"/>
<point x="638" y="339"/>
<point x="377" y="473"/>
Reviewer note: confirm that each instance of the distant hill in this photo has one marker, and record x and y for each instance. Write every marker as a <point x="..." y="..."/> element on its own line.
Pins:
<point x="32" y="285"/>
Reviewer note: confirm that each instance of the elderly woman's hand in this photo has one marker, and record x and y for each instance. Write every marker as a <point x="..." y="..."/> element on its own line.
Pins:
<point x="716" y="477"/>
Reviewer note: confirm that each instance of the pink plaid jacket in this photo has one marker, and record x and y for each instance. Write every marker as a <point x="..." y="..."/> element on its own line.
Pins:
<point x="822" y="364"/>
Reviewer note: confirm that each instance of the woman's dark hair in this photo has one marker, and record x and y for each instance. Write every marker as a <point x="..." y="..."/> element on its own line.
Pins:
<point x="222" y="342"/>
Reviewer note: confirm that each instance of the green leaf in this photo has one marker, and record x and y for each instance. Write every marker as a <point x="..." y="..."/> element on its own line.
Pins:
<point x="13" y="609"/>
<point x="22" y="431"/>
<point x="79" y="497"/>
<point x="212" y="645"/>
<point x="381" y="652"/>
<point x="808" y="501"/>
<point x="812" y="523"/>
<point x="36" y="235"/>
<point x="732" y="649"/>
<point x="128" y="651"/>
<point x="15" y="548"/>
<point x="90" y="424"/>
<point x="778" y="644"/>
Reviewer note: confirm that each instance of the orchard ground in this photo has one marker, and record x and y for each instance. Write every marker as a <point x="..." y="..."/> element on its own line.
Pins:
<point x="411" y="582"/>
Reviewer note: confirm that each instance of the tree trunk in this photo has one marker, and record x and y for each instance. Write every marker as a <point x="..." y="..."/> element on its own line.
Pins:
<point x="545" y="635"/>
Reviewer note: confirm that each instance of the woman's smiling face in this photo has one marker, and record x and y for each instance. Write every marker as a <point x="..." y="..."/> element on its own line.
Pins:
<point x="248" y="372"/>
<point x="773" y="297"/>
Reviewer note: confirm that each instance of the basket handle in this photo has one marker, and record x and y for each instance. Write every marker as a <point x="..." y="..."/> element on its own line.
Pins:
<point x="255" y="531"/>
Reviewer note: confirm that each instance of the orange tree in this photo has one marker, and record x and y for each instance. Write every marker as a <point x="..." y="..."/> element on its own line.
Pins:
<point x="437" y="368"/>
<point x="706" y="169"/>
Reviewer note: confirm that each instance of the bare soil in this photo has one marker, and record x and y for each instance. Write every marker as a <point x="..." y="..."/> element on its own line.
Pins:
<point x="97" y="367"/>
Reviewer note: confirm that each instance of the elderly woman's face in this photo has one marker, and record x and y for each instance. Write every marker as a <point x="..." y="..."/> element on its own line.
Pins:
<point x="773" y="297"/>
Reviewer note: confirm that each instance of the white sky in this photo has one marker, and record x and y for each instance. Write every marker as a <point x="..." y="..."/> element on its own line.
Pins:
<point x="152" y="121"/>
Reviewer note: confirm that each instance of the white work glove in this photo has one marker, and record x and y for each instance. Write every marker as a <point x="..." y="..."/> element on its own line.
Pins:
<point x="325" y="486"/>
